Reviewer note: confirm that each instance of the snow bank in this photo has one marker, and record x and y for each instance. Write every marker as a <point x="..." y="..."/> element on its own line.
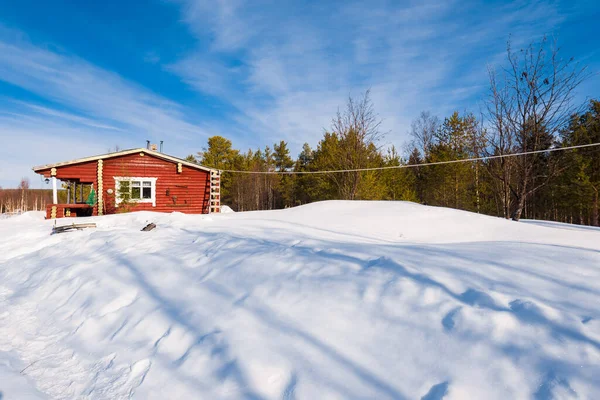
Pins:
<point x="385" y="300"/>
<point x="226" y="210"/>
<point x="13" y="383"/>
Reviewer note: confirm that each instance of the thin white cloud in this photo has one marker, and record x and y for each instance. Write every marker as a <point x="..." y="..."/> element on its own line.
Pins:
<point x="228" y="30"/>
<point x="64" y="116"/>
<point x="278" y="70"/>
<point x="294" y="66"/>
<point x="82" y="109"/>
<point x="29" y="140"/>
<point x="79" y="85"/>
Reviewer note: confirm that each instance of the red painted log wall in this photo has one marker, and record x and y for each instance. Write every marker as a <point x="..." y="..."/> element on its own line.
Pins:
<point x="186" y="192"/>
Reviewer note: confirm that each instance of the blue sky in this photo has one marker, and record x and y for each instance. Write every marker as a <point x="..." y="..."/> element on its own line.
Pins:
<point x="80" y="77"/>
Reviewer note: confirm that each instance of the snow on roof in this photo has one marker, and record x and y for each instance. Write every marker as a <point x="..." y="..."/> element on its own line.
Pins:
<point x="124" y="153"/>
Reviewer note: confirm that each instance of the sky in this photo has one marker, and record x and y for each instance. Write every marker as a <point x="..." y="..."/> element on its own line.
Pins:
<point x="78" y="78"/>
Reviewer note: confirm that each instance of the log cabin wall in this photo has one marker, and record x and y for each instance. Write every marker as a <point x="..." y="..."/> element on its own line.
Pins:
<point x="178" y="187"/>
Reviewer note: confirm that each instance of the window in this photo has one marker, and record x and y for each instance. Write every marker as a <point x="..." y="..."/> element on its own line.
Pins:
<point x="135" y="190"/>
<point x="138" y="190"/>
<point x="146" y="190"/>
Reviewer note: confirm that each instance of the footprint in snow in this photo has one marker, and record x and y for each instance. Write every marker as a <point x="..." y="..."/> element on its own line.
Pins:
<point x="437" y="392"/>
<point x="527" y="311"/>
<point x="448" y="321"/>
<point x="479" y="299"/>
<point x="554" y="386"/>
<point x="290" y="390"/>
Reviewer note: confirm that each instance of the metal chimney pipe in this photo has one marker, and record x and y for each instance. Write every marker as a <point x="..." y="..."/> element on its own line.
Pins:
<point x="161" y="146"/>
<point x="148" y="144"/>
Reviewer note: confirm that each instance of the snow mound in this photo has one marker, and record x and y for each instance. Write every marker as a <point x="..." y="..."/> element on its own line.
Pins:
<point x="386" y="300"/>
<point x="13" y="383"/>
<point x="226" y="210"/>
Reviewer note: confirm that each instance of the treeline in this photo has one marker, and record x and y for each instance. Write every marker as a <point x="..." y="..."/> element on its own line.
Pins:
<point x="529" y="109"/>
<point x="24" y="198"/>
<point x="352" y="144"/>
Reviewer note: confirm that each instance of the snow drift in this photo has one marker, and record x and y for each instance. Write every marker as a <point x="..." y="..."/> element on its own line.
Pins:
<point x="333" y="300"/>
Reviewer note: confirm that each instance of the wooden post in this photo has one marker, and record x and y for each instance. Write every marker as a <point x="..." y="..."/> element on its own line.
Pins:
<point x="100" y="188"/>
<point x="54" y="191"/>
<point x="81" y="193"/>
<point x="68" y="192"/>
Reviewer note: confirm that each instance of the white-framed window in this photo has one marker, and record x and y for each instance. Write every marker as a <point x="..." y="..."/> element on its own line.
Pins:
<point x="136" y="190"/>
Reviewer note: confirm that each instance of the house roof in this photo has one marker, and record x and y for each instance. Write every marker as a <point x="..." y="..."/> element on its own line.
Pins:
<point x="124" y="153"/>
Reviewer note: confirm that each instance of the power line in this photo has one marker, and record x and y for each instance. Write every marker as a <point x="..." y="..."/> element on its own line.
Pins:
<point x="411" y="165"/>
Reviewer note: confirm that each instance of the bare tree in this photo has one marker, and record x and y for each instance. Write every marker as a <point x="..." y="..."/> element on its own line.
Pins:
<point x="501" y="139"/>
<point x="24" y="188"/>
<point x="359" y="117"/>
<point x="423" y="130"/>
<point x="357" y="134"/>
<point x="530" y="102"/>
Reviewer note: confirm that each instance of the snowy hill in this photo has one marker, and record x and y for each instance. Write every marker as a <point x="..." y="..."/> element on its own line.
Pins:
<point x="333" y="300"/>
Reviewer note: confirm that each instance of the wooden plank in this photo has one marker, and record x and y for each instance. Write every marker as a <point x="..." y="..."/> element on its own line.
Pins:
<point x="67" y="228"/>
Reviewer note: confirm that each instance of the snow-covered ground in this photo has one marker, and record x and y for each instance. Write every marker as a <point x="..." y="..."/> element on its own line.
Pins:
<point x="333" y="300"/>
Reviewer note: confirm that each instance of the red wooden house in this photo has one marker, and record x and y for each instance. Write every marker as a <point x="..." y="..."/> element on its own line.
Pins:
<point x="132" y="180"/>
